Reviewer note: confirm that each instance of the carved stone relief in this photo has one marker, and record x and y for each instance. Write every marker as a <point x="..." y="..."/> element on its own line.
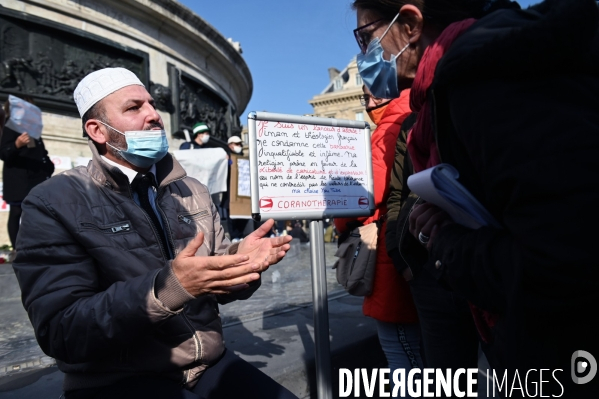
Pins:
<point x="47" y="62"/>
<point x="162" y="97"/>
<point x="198" y="104"/>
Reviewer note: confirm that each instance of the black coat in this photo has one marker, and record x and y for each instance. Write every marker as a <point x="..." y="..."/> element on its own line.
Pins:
<point x="516" y="112"/>
<point x="299" y="233"/>
<point x="24" y="167"/>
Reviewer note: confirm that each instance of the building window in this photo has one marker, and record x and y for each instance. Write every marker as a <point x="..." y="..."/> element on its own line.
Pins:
<point x="359" y="116"/>
<point x="338" y="85"/>
<point x="359" y="81"/>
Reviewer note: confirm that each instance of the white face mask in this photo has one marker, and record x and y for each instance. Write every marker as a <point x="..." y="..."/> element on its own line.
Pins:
<point x="237" y="149"/>
<point x="205" y="138"/>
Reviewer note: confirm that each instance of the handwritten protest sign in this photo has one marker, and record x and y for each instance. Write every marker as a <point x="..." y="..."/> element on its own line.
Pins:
<point x="308" y="167"/>
<point x="240" y="206"/>
<point x="243" y="177"/>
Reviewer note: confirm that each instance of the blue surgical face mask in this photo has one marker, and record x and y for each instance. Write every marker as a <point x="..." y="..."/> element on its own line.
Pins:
<point x="144" y="147"/>
<point x="378" y="74"/>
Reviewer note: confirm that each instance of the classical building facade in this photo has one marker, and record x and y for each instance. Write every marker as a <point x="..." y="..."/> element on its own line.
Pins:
<point x="193" y="72"/>
<point x="341" y="98"/>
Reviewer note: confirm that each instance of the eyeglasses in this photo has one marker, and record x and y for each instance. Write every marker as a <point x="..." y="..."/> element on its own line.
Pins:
<point x="363" y="38"/>
<point x="365" y="99"/>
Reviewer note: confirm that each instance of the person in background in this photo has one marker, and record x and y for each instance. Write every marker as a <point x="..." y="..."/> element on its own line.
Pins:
<point x="391" y="302"/>
<point x="201" y="137"/>
<point x="122" y="264"/>
<point x="26" y="164"/>
<point x="235" y="145"/>
<point x="235" y="227"/>
<point x="330" y="233"/>
<point x="2" y="119"/>
<point x="273" y="231"/>
<point x="281" y="226"/>
<point x="298" y="232"/>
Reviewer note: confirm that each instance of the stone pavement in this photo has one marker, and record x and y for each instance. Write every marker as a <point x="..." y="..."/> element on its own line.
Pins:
<point x="273" y="330"/>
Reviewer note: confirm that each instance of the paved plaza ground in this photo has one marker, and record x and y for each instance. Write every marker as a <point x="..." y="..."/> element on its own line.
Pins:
<point x="273" y="330"/>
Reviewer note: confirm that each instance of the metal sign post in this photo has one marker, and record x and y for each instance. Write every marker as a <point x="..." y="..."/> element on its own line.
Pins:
<point x="321" y="311"/>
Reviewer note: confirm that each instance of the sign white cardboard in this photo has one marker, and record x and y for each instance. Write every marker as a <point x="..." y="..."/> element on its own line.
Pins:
<point x="61" y="162"/>
<point x="309" y="168"/>
<point x="208" y="165"/>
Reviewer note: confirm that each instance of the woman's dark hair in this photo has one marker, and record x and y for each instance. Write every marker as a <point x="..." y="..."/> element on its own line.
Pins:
<point x="437" y="12"/>
<point x="6" y="106"/>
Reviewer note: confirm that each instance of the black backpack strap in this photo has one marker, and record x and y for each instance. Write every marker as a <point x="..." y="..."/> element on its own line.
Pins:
<point x="408" y="168"/>
<point x="350" y="226"/>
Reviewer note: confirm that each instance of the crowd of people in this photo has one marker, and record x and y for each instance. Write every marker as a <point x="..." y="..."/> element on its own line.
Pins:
<point x="123" y="280"/>
<point x="200" y="138"/>
<point x="507" y="96"/>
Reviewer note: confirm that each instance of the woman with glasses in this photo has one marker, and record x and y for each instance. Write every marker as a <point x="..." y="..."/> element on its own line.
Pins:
<point x="390" y="302"/>
<point x="387" y="62"/>
<point x="509" y="98"/>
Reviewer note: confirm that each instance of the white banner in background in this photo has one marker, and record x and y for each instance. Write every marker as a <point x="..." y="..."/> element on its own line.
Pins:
<point x="61" y="162"/>
<point x="208" y="165"/>
<point x="82" y="161"/>
<point x="3" y="205"/>
<point x="243" y="178"/>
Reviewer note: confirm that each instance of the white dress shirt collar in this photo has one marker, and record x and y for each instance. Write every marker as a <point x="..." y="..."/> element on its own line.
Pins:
<point x="130" y="173"/>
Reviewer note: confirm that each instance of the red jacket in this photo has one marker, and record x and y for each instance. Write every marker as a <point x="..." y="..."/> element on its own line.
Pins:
<point x="391" y="299"/>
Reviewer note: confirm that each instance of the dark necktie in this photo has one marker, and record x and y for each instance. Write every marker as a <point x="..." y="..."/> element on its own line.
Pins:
<point x="141" y="184"/>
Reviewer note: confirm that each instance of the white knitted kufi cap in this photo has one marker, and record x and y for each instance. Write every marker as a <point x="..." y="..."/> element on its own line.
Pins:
<point x="99" y="84"/>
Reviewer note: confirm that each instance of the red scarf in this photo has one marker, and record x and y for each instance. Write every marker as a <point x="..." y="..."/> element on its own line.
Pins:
<point x="421" y="139"/>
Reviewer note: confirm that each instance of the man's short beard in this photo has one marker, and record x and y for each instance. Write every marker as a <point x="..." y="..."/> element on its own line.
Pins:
<point x="116" y="140"/>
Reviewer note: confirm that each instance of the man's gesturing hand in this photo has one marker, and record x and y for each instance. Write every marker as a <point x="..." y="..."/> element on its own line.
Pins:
<point x="201" y="275"/>
<point x="264" y="251"/>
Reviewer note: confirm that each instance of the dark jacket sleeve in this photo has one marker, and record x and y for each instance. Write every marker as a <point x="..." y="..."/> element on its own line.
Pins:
<point x="47" y="164"/>
<point x="169" y="290"/>
<point x="398" y="192"/>
<point x="531" y="159"/>
<point x="224" y="247"/>
<point x="395" y="192"/>
<point x="2" y="119"/>
<point x="74" y="319"/>
<point x="8" y="149"/>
